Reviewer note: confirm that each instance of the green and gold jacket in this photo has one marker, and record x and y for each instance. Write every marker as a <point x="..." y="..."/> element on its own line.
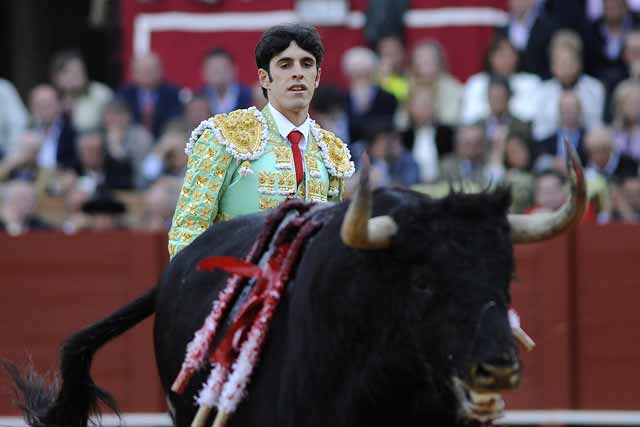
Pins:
<point x="240" y="164"/>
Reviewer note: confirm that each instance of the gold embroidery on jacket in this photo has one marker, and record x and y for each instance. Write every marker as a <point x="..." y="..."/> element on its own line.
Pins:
<point x="286" y="182"/>
<point x="266" y="182"/>
<point x="241" y="129"/>
<point x="265" y="203"/>
<point x="284" y="158"/>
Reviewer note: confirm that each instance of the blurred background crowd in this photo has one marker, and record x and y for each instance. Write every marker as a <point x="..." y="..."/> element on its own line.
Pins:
<point x="77" y="153"/>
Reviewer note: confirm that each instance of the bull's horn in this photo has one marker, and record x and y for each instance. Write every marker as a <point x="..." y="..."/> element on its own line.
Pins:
<point x="537" y="227"/>
<point x="359" y="230"/>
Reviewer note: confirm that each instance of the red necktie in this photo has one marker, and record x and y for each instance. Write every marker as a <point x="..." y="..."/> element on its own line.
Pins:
<point x="294" y="137"/>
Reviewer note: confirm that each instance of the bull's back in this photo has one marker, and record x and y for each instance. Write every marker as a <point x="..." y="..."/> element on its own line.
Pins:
<point x="185" y="298"/>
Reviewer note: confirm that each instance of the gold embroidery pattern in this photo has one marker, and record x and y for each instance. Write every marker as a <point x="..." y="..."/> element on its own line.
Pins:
<point x="207" y="168"/>
<point x="286" y="182"/>
<point x="284" y="158"/>
<point x="317" y="190"/>
<point x="335" y="155"/>
<point x="225" y="158"/>
<point x="334" y="186"/>
<point x="201" y="181"/>
<point x="241" y="129"/>
<point x="266" y="182"/>
<point x="312" y="166"/>
<point x="265" y="203"/>
<point x="211" y="153"/>
<point x="220" y="172"/>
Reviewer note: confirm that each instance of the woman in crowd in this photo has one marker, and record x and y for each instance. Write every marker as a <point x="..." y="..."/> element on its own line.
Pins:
<point x="501" y="61"/>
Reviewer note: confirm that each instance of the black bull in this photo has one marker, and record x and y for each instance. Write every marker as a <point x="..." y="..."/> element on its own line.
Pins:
<point x="398" y="319"/>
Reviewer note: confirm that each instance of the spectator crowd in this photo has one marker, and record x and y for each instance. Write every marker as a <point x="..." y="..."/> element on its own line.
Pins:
<point x="83" y="156"/>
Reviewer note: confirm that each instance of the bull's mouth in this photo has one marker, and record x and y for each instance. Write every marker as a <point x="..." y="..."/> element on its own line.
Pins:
<point x="478" y="405"/>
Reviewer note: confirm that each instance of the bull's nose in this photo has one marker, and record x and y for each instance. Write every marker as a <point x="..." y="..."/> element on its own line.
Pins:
<point x="495" y="376"/>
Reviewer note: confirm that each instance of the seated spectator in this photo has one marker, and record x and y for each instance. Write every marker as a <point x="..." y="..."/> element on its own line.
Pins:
<point x="328" y="109"/>
<point x="550" y="152"/>
<point x="58" y="147"/>
<point x="377" y="151"/>
<point x="529" y="29"/>
<point x="501" y="61"/>
<point x="160" y="201"/>
<point x="500" y="121"/>
<point x="366" y="102"/>
<point x="126" y="142"/>
<point x="549" y="192"/>
<point x="391" y="163"/>
<point x="152" y="100"/>
<point x="566" y="53"/>
<point x="392" y="67"/>
<point x="196" y="110"/>
<point x="631" y="58"/>
<point x="468" y="162"/>
<point x="517" y="165"/>
<point x="18" y="209"/>
<point x="167" y="157"/>
<point x="222" y="89"/>
<point x="82" y="99"/>
<point x="605" y="39"/>
<point x="75" y="219"/>
<point x="626" y="121"/>
<point x="22" y="161"/>
<point x="426" y="138"/>
<point x="104" y="212"/>
<point x="13" y="117"/>
<point x="626" y="201"/>
<point x="604" y="160"/>
<point x="403" y="169"/>
<point x="98" y="168"/>
<point x="429" y="69"/>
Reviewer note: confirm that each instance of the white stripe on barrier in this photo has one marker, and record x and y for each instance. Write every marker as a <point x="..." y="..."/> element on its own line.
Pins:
<point x="146" y="23"/>
<point x="584" y="418"/>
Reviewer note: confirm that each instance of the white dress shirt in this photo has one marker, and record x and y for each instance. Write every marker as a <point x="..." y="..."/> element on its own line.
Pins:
<point x="285" y="126"/>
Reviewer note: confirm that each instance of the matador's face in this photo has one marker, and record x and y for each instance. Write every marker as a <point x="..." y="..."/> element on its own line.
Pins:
<point x="293" y="77"/>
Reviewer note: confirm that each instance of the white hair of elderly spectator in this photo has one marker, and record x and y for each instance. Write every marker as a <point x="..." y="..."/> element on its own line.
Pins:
<point x="567" y="39"/>
<point x="357" y="58"/>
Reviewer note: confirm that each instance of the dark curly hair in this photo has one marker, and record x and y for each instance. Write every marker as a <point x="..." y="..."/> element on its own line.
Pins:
<point x="278" y="38"/>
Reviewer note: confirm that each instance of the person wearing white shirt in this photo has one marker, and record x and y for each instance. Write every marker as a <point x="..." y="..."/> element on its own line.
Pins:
<point x="566" y="51"/>
<point x="502" y="59"/>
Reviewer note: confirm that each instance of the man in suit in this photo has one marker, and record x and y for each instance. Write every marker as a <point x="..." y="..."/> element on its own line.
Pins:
<point x="604" y="160"/>
<point x="529" y="29"/>
<point x="367" y="102"/>
<point x="152" y="100"/>
<point x="551" y="149"/>
<point x="500" y="122"/>
<point x="58" y="136"/>
<point x="222" y="89"/>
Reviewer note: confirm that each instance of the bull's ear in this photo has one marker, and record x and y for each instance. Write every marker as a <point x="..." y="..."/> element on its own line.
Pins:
<point x="359" y="230"/>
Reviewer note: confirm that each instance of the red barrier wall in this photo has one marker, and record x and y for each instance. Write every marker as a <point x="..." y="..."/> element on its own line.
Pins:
<point x="608" y="317"/>
<point x="576" y="296"/>
<point x="54" y="285"/>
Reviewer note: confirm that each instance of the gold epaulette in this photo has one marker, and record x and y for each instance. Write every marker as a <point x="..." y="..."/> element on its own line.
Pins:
<point x="243" y="132"/>
<point x="335" y="153"/>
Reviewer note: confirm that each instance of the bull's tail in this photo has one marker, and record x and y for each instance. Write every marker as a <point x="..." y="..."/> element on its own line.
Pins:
<point x="72" y="401"/>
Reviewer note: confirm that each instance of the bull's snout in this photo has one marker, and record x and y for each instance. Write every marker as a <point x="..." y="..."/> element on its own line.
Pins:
<point x="495" y="376"/>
